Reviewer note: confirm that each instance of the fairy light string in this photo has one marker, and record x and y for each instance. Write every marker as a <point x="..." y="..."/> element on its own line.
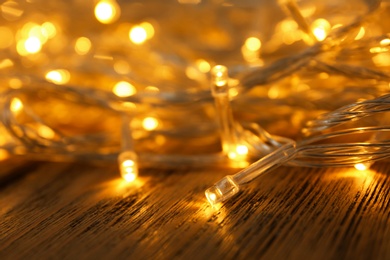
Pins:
<point x="67" y="84"/>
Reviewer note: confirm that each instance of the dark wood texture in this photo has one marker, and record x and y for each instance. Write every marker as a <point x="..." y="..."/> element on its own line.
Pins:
<point x="83" y="211"/>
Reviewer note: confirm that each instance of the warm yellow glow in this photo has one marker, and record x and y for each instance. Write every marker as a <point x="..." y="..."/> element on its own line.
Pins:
<point x="320" y="29"/>
<point x="49" y="29"/>
<point x="203" y="65"/>
<point x="3" y="154"/>
<point x="138" y="34"/>
<point x="58" y="76"/>
<point x="124" y="89"/>
<point x="128" y="163"/>
<point x="382" y="59"/>
<point x="379" y="49"/>
<point x="129" y="176"/>
<point x="360" y="34"/>
<point x="32" y="45"/>
<point x="150" y="123"/>
<point x="253" y="44"/>
<point x="46" y="132"/>
<point x="149" y="29"/>
<point x="16" y="105"/>
<point x="152" y="89"/>
<point x="82" y="46"/>
<point x="212" y="196"/>
<point x="15" y="83"/>
<point x="107" y="11"/>
<point x="242" y="150"/>
<point x="122" y="67"/>
<point x="6" y="38"/>
<point x="362" y="166"/>
<point x="6" y="63"/>
<point x="385" y="42"/>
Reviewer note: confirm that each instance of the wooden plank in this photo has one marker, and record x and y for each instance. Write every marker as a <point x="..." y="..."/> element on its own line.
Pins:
<point x="68" y="211"/>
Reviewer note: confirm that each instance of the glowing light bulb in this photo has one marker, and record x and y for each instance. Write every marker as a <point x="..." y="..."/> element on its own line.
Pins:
<point x="385" y="42"/>
<point x="150" y="123"/>
<point x="320" y="29"/>
<point x="46" y="132"/>
<point x="82" y="46"/>
<point x="362" y="166"/>
<point x="58" y="76"/>
<point x="128" y="165"/>
<point x="16" y="105"/>
<point x="32" y="45"/>
<point x="124" y="89"/>
<point x="107" y="11"/>
<point x="138" y="35"/>
<point x="253" y="44"/>
<point x="203" y="65"/>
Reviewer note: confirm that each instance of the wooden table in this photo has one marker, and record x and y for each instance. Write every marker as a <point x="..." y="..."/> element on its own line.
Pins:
<point x="84" y="211"/>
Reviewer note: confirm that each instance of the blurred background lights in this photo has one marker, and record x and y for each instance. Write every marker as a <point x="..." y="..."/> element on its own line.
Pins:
<point x="107" y="12"/>
<point x="320" y="29"/>
<point x="82" y="45"/>
<point x="59" y="76"/>
<point x="253" y="44"/>
<point x="150" y="123"/>
<point x="124" y="89"/>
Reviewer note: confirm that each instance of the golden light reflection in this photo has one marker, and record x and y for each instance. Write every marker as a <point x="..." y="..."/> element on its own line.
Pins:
<point x="385" y="42"/>
<point x="138" y="35"/>
<point x="82" y="45"/>
<point x="362" y="166"/>
<point x="46" y="132"/>
<point x="150" y="123"/>
<point x="360" y="34"/>
<point x="320" y="29"/>
<point x="124" y="89"/>
<point x="253" y="44"/>
<point x="16" y="105"/>
<point x="6" y="63"/>
<point x="107" y="11"/>
<point x="203" y="65"/>
<point x="32" y="45"/>
<point x="59" y="76"/>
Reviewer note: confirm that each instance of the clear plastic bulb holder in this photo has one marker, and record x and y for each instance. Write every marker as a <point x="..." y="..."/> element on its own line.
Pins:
<point x="228" y="186"/>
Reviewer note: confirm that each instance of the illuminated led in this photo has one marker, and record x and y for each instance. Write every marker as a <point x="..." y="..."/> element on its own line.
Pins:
<point x="150" y="123"/>
<point x="46" y="132"/>
<point x="107" y="11"/>
<point x="362" y="166"/>
<point x="138" y="34"/>
<point x="320" y="29"/>
<point x="385" y="42"/>
<point x="382" y="59"/>
<point x="58" y="76"/>
<point x="32" y="45"/>
<point x="128" y="165"/>
<point x="379" y="49"/>
<point x="82" y="46"/>
<point x="203" y="65"/>
<point x="16" y="105"/>
<point x="242" y="150"/>
<point x="253" y="44"/>
<point x="124" y="89"/>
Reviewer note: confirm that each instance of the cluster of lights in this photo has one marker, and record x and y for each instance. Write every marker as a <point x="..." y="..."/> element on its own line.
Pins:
<point x="37" y="41"/>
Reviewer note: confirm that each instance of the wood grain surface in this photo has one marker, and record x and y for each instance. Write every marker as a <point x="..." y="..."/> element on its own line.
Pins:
<point x="84" y="211"/>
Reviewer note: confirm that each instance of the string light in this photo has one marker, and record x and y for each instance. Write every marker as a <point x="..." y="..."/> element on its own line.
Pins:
<point x="171" y="74"/>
